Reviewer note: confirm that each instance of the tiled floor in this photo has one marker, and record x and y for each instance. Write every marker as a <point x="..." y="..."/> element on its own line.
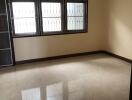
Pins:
<point x="95" y="77"/>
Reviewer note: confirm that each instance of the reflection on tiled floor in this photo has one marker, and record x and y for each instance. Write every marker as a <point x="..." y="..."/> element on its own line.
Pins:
<point x="95" y="77"/>
<point x="31" y="94"/>
<point x="55" y="92"/>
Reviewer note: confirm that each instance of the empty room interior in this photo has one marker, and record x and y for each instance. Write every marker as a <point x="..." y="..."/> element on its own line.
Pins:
<point x="65" y="49"/>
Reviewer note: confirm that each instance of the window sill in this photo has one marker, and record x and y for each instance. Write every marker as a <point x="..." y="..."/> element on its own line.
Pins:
<point x="51" y="34"/>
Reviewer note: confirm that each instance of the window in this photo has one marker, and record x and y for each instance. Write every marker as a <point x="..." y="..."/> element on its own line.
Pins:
<point x="75" y="16"/>
<point x="24" y="18"/>
<point x="48" y="17"/>
<point x="51" y="14"/>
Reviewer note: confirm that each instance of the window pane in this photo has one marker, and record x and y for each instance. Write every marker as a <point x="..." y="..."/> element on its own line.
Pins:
<point x="75" y="9"/>
<point x="51" y="9"/>
<point x="24" y="17"/>
<point x="4" y="40"/>
<point x="75" y="16"/>
<point x="3" y="23"/>
<point x="23" y="9"/>
<point x="51" y="13"/>
<point x="75" y="23"/>
<point x="25" y="25"/>
<point x="5" y="57"/>
<point x="2" y="6"/>
<point x="51" y="24"/>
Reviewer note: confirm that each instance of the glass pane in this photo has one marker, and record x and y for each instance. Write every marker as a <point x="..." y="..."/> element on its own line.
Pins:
<point x="51" y="24"/>
<point x="25" y="25"/>
<point x="5" y="57"/>
<point x="4" y="40"/>
<point x="75" y="23"/>
<point x="3" y="23"/>
<point x="75" y="9"/>
<point x="51" y="9"/>
<point x="2" y="6"/>
<point x="23" y="9"/>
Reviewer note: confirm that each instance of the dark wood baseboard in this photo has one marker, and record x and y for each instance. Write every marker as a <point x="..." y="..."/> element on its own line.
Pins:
<point x="74" y="55"/>
<point x="59" y="57"/>
<point x="130" y="94"/>
<point x="119" y="57"/>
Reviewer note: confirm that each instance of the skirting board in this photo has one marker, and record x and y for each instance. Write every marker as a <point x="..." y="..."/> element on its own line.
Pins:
<point x="130" y="94"/>
<point x="58" y="57"/>
<point x="74" y="55"/>
<point x="119" y="57"/>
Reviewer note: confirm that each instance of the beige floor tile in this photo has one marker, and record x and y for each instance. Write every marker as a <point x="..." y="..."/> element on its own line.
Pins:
<point x="95" y="77"/>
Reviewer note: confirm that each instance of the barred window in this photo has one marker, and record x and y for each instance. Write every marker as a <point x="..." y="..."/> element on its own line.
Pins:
<point x="48" y="17"/>
<point x="24" y="17"/>
<point x="51" y="14"/>
<point x="75" y="16"/>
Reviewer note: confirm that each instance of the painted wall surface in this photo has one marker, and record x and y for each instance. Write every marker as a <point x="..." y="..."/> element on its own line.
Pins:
<point x="119" y="37"/>
<point x="47" y="46"/>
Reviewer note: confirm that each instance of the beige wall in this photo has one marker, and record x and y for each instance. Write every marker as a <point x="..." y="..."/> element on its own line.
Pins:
<point x="119" y="37"/>
<point x="110" y="28"/>
<point x="40" y="47"/>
